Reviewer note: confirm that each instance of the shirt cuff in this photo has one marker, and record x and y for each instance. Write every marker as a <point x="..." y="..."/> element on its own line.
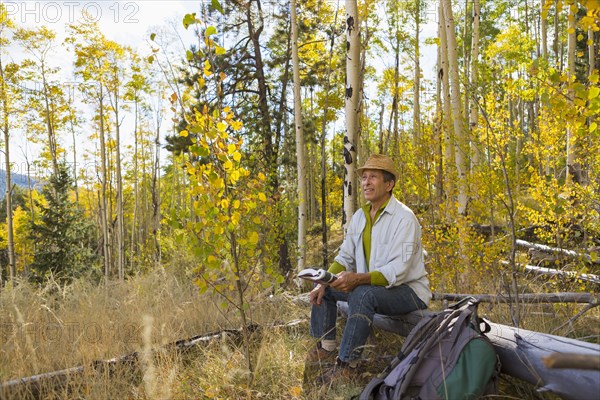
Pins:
<point x="378" y="279"/>
<point x="336" y="268"/>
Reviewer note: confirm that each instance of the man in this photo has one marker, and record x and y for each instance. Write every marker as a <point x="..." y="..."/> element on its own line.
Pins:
<point x="380" y="270"/>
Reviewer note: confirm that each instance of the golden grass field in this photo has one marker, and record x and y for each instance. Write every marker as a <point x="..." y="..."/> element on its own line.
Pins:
<point x="54" y="328"/>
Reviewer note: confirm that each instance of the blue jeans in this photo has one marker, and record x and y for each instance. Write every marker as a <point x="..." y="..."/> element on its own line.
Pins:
<point x="363" y="303"/>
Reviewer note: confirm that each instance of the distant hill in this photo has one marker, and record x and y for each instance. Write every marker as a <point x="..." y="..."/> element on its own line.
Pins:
<point x="16" y="179"/>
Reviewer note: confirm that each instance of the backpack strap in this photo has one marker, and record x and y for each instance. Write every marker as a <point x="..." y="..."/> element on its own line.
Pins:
<point x="371" y="389"/>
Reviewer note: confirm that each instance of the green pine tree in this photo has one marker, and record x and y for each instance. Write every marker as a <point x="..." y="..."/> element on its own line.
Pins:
<point x="63" y="234"/>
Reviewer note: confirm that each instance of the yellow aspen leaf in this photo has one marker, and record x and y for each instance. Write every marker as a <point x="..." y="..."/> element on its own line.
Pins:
<point x="218" y="183"/>
<point x="262" y="197"/>
<point x="228" y="165"/>
<point x="184" y="133"/>
<point x="580" y="37"/>
<point x="237" y="156"/>
<point x="593" y="127"/>
<point x="224" y="203"/>
<point x="236" y="204"/>
<point x="231" y="148"/>
<point x="262" y="176"/>
<point x="593" y="78"/>
<point x="173" y="97"/>
<point x="227" y="109"/>
<point x="296" y="391"/>
<point x="594" y="92"/>
<point x="571" y="31"/>
<point x="212" y="261"/>
<point x="253" y="238"/>
<point x="221" y="126"/>
<point x="256" y="220"/>
<point x="236" y="125"/>
<point x="201" y="82"/>
<point x="220" y="50"/>
<point x="234" y="176"/>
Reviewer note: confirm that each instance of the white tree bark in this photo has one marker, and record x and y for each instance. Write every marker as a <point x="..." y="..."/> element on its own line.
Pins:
<point x="544" y="28"/>
<point x="591" y="52"/>
<point x="460" y="142"/>
<point x="474" y="110"/>
<point x="447" y="125"/>
<point x="300" y="152"/>
<point x="351" y="107"/>
<point x="571" y="32"/>
<point x="417" y="77"/>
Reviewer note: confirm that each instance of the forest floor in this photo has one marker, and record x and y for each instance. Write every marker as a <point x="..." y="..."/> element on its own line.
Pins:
<point x="55" y="328"/>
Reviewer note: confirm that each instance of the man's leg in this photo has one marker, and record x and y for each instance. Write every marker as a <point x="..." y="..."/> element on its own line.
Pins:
<point x="323" y="317"/>
<point x="363" y="303"/>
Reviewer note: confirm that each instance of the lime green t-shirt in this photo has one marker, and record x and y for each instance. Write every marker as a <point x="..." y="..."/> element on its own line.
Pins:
<point x="377" y="277"/>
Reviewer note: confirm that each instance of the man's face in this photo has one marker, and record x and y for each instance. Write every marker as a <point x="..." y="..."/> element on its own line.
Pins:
<point x="375" y="189"/>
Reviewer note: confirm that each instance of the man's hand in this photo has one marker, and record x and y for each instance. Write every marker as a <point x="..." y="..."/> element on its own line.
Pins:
<point x="348" y="281"/>
<point x="316" y="295"/>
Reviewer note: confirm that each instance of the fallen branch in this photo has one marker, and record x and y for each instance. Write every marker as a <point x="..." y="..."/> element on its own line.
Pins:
<point x="557" y="272"/>
<point x="572" y="361"/>
<point x="569" y="274"/>
<point x="37" y="386"/>
<point x="556" y="250"/>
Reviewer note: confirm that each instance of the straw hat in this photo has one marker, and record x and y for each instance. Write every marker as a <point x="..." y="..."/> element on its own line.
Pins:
<point x="381" y="162"/>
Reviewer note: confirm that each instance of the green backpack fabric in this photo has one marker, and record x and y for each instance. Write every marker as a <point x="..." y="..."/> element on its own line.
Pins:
<point x="445" y="356"/>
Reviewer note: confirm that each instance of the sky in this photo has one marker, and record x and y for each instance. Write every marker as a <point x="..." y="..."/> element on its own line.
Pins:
<point x="125" y="22"/>
<point x="130" y="23"/>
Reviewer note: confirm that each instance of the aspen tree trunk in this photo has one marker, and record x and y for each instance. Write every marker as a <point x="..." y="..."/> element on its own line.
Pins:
<point x="134" y="240"/>
<point x="323" y="152"/>
<point x="351" y="107"/>
<point x="120" y="234"/>
<point x="570" y="147"/>
<point x="438" y="130"/>
<point x="447" y="125"/>
<point x="544" y="28"/>
<point x="396" y="100"/>
<point x="474" y="110"/>
<point x="300" y="152"/>
<point x="555" y="41"/>
<point x="460" y="142"/>
<point x="52" y="147"/>
<point x="417" y="78"/>
<point x="591" y="52"/>
<point x="104" y="220"/>
<point x="156" y="215"/>
<point x="10" y="245"/>
<point x="72" y="129"/>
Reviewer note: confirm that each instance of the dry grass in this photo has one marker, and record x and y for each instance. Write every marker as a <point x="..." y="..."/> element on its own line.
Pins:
<point x="54" y="328"/>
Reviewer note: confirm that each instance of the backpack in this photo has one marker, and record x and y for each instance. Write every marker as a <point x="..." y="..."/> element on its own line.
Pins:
<point x="445" y="356"/>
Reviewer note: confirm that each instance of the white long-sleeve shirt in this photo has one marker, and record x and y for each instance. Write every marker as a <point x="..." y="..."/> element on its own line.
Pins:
<point x="396" y="249"/>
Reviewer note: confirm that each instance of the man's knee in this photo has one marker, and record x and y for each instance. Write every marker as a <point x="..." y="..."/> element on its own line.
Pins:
<point x="362" y="296"/>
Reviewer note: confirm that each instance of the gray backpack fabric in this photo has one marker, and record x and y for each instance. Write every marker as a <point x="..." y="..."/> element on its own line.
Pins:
<point x="446" y="356"/>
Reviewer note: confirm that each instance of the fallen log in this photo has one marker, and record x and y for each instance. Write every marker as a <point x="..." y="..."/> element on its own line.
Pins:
<point x="566" y="297"/>
<point x="573" y="361"/>
<point x="554" y="272"/>
<point x="556" y="250"/>
<point x="568" y="274"/>
<point x="521" y="352"/>
<point x="37" y="386"/>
